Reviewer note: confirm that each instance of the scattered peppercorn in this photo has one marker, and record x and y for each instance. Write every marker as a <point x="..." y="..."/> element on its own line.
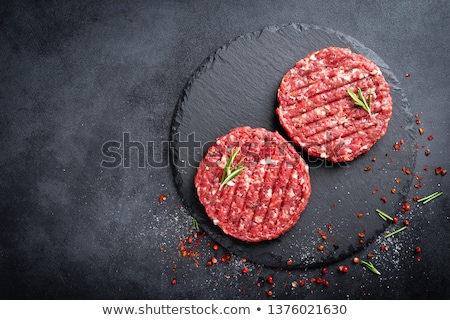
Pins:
<point x="324" y="271"/>
<point x="406" y="222"/>
<point x="162" y="197"/>
<point x="244" y="270"/>
<point x="355" y="260"/>
<point x="174" y="281"/>
<point x="343" y="269"/>
<point x="418" y="250"/>
<point x="226" y="257"/>
<point x="323" y="234"/>
<point x="406" y="206"/>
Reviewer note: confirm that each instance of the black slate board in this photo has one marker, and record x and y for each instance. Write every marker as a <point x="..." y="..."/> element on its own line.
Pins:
<point x="237" y="86"/>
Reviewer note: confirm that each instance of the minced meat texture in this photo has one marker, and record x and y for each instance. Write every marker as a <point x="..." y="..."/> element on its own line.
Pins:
<point x="317" y="112"/>
<point x="267" y="198"/>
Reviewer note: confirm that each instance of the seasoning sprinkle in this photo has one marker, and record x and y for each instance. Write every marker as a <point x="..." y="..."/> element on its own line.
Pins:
<point x="430" y="197"/>
<point x="395" y="232"/>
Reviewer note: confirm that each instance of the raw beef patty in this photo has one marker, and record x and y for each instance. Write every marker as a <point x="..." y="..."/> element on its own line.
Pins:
<point x="317" y="112"/>
<point x="266" y="199"/>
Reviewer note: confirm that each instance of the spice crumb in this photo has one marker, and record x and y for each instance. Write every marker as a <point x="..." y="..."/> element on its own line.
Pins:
<point x="162" y="197"/>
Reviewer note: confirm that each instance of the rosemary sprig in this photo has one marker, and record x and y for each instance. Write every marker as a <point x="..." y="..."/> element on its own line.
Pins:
<point x="231" y="171"/>
<point x="395" y="232"/>
<point x="383" y="215"/>
<point x="430" y="197"/>
<point x="361" y="100"/>
<point x="370" y="267"/>
<point x="195" y="225"/>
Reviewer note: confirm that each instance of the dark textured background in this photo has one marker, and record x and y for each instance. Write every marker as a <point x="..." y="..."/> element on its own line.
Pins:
<point x="76" y="74"/>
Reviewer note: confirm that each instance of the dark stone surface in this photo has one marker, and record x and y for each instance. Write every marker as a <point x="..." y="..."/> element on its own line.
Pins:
<point x="237" y="86"/>
<point x="79" y="77"/>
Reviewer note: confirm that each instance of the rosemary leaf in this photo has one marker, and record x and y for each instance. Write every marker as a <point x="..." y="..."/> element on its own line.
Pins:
<point x="361" y="100"/>
<point x="430" y="197"/>
<point x="230" y="177"/>
<point x="231" y="171"/>
<point x="370" y="267"/>
<point x="383" y="215"/>
<point x="395" y="232"/>
<point x="195" y="224"/>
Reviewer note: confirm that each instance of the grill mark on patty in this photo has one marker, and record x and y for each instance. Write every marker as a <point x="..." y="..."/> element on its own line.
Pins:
<point x="336" y="142"/>
<point x="289" y="173"/>
<point x="360" y="82"/>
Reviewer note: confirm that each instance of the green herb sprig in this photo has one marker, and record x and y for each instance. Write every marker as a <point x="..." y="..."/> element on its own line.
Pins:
<point x="370" y="267"/>
<point x="231" y="171"/>
<point x="361" y="100"/>
<point x="430" y="197"/>
<point x="395" y="232"/>
<point x="383" y="215"/>
<point x="195" y="225"/>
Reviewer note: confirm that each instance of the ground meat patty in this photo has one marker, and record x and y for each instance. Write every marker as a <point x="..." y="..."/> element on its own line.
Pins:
<point x="317" y="112"/>
<point x="266" y="199"/>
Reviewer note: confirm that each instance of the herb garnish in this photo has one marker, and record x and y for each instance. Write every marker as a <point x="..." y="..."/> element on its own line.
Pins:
<point x="430" y="197"/>
<point x="394" y="232"/>
<point x="370" y="266"/>
<point x="231" y="171"/>
<point x="195" y="225"/>
<point x="383" y="215"/>
<point x="361" y="100"/>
